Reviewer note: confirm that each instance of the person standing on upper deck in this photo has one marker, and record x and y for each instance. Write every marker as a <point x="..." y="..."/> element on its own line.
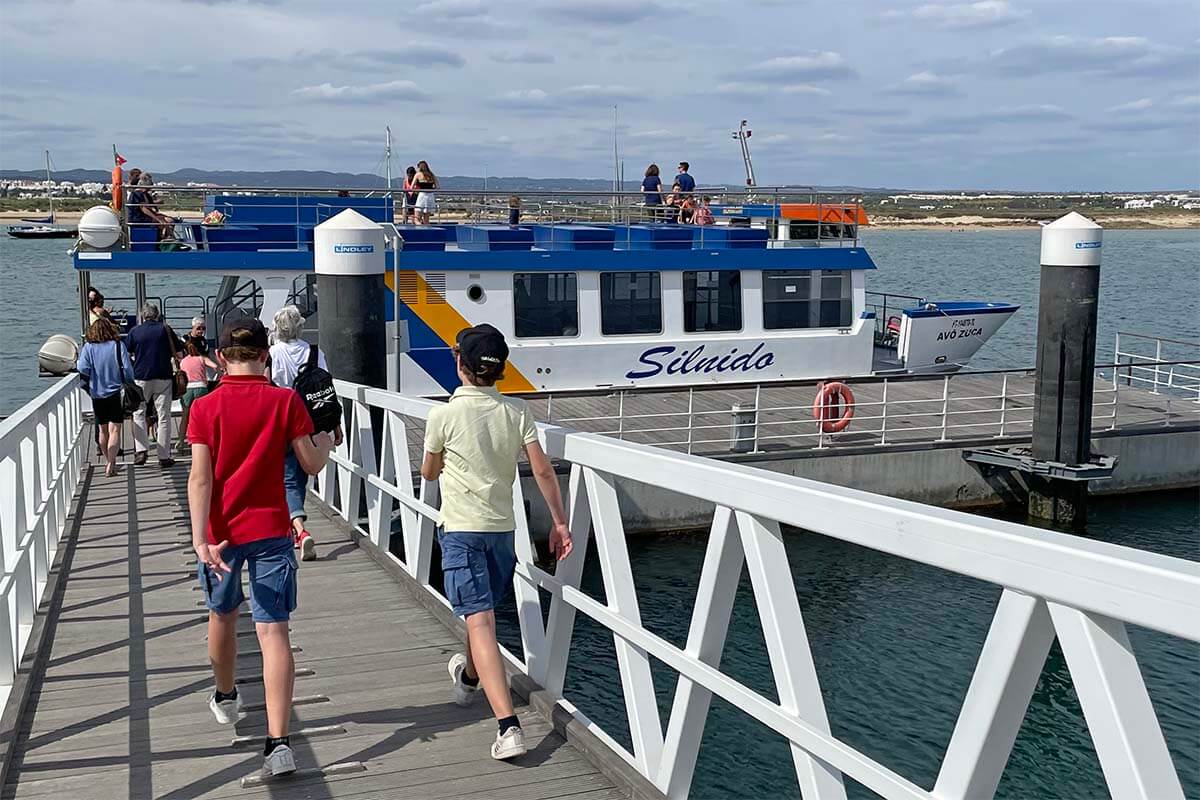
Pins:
<point x="687" y="184"/>
<point x="154" y="347"/>
<point x="426" y="183"/>
<point x="472" y="444"/>
<point x="652" y="190"/>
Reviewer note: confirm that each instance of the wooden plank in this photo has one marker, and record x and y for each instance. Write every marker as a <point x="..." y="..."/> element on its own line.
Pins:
<point x="120" y="709"/>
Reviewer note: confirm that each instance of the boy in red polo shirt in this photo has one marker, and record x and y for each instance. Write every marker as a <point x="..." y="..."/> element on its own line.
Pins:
<point x="239" y="434"/>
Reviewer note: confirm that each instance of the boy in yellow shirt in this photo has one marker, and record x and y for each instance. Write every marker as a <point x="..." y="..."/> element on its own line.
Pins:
<point x="472" y="444"/>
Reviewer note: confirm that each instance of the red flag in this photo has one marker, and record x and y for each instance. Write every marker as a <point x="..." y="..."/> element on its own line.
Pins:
<point x="119" y="159"/>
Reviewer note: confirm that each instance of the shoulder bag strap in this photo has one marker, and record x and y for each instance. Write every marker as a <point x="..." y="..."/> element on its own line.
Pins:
<point x="311" y="362"/>
<point x="120" y="366"/>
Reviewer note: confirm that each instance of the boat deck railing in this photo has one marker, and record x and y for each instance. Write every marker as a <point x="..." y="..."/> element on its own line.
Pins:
<point x="1158" y="364"/>
<point x="269" y="219"/>
<point x="1081" y="592"/>
<point x="887" y="410"/>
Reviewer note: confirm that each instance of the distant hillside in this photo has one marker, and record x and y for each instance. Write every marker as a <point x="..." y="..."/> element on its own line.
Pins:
<point x="312" y="179"/>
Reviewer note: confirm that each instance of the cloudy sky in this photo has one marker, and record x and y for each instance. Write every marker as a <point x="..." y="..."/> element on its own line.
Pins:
<point x="1023" y="94"/>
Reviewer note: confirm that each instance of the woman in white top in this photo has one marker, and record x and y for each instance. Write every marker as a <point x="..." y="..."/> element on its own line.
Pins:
<point x="288" y="355"/>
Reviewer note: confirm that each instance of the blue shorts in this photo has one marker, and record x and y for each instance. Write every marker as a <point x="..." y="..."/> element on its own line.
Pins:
<point x="478" y="569"/>
<point x="273" y="570"/>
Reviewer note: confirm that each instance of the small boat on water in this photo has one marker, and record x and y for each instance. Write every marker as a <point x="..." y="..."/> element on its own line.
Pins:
<point x="44" y="227"/>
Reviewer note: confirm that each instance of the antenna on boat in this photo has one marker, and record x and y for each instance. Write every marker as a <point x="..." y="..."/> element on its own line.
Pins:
<point x="616" y="167"/>
<point x="387" y="156"/>
<point x="742" y="134"/>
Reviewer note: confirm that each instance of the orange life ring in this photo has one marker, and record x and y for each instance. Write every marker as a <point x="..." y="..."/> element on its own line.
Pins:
<point x="829" y="402"/>
<point x="117" y="190"/>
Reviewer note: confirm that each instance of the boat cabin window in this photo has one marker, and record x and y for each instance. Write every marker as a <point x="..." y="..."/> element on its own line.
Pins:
<point x="545" y="304"/>
<point x="712" y="301"/>
<point x="806" y="299"/>
<point x="630" y="302"/>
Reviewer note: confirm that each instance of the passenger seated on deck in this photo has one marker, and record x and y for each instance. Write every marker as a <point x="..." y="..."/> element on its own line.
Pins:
<point x="143" y="210"/>
<point x="514" y="210"/>
<point x="703" y="215"/>
<point x="687" y="209"/>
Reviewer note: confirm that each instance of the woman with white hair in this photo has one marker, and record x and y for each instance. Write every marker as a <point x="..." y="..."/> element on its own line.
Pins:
<point x="288" y="355"/>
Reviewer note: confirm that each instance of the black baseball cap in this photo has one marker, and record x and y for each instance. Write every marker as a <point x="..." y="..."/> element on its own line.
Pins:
<point x="483" y="349"/>
<point x="255" y="333"/>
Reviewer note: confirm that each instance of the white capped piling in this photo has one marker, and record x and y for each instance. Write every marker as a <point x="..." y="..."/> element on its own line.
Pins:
<point x="350" y="264"/>
<point x="1066" y="364"/>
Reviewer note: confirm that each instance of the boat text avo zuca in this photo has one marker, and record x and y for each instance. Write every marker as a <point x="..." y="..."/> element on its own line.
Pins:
<point x="592" y="293"/>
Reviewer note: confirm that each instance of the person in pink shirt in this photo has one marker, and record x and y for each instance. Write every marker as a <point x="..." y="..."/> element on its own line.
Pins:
<point x="703" y="214"/>
<point x="199" y="368"/>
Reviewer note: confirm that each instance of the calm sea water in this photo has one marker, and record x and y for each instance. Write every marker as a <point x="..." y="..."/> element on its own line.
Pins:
<point x="894" y="642"/>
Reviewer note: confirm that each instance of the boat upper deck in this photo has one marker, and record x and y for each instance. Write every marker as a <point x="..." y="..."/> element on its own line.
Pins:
<point x="239" y="231"/>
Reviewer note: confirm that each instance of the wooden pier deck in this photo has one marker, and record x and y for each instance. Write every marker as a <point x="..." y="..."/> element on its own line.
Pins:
<point x="120" y="708"/>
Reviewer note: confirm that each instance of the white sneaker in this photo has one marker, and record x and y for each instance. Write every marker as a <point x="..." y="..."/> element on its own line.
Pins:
<point x="227" y="712"/>
<point x="463" y="695"/>
<point x="509" y="745"/>
<point x="280" y="762"/>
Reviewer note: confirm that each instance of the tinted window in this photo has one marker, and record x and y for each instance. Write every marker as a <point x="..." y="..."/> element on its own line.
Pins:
<point x="787" y="299"/>
<point x="712" y="301"/>
<point x="835" y="300"/>
<point x="545" y="304"/>
<point x="806" y="299"/>
<point x="630" y="302"/>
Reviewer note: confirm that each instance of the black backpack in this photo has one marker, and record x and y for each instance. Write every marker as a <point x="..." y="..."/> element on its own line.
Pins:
<point x="315" y="386"/>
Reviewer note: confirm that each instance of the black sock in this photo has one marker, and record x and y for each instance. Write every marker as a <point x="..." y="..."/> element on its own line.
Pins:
<point x="222" y="696"/>
<point x="468" y="680"/>
<point x="508" y="722"/>
<point x="273" y="742"/>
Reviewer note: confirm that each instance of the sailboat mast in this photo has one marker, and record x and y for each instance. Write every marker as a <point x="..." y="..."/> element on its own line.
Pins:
<point x="49" y="186"/>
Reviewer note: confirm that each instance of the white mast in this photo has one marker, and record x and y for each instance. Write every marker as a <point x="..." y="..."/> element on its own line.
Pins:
<point x="49" y="186"/>
<point x="387" y="157"/>
<point x="616" y="167"/>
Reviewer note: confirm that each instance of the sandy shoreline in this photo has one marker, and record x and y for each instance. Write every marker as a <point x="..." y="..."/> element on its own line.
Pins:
<point x="883" y="222"/>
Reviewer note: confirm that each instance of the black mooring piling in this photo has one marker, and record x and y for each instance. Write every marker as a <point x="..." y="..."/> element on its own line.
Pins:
<point x="350" y="263"/>
<point x="1066" y="365"/>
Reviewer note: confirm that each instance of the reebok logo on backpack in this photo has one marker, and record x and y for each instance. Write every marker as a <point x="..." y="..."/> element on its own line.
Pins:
<point x="315" y="387"/>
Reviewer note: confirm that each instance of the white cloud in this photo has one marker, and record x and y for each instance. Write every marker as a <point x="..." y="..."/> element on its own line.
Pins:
<point x="1044" y="112"/>
<point x="1186" y="101"/>
<point x="657" y="133"/>
<point x="601" y="12"/>
<point x="453" y="9"/>
<point x="523" y="98"/>
<point x="597" y="93"/>
<point x="392" y="90"/>
<point x="1117" y="56"/>
<point x="928" y="84"/>
<point x="523" y="57"/>
<point x="814" y="65"/>
<point x="961" y="16"/>
<point x="803" y="88"/>
<point x="740" y="88"/>
<point x="1136" y="105"/>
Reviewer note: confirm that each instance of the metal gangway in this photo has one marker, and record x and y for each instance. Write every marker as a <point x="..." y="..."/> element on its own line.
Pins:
<point x="102" y="673"/>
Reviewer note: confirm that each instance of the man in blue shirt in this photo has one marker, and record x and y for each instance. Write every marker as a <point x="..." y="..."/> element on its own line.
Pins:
<point x="687" y="184"/>
<point x="153" y="346"/>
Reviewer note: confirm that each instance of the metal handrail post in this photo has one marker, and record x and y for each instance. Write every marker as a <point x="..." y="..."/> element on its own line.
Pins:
<point x="883" y="414"/>
<point x="621" y="415"/>
<point x="1116" y="403"/>
<point x="757" y="406"/>
<point x="1157" y="360"/>
<point x="1003" y="404"/>
<point x="945" y="405"/>
<point x="691" y="407"/>
<point x="550" y="409"/>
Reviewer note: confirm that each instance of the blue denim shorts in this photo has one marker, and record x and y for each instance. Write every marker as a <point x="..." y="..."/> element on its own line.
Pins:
<point x="478" y="569"/>
<point x="273" y="570"/>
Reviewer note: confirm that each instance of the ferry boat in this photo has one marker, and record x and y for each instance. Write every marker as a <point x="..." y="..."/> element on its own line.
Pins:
<point x="592" y="293"/>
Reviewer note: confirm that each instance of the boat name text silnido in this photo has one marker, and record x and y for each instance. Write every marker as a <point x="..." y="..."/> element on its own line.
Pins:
<point x="694" y="361"/>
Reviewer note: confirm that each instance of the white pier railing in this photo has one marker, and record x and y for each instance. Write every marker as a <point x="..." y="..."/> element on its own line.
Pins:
<point x="1157" y="364"/>
<point x="41" y="457"/>
<point x="1080" y="591"/>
